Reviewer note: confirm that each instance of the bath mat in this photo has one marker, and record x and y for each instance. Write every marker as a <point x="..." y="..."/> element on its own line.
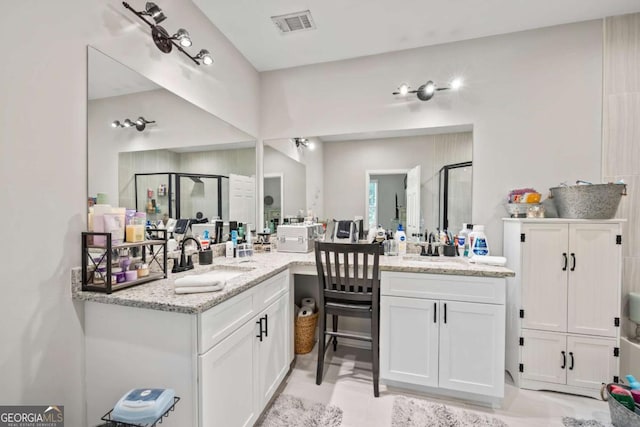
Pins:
<point x="574" y="422"/>
<point x="290" y="411"/>
<point x="408" y="412"/>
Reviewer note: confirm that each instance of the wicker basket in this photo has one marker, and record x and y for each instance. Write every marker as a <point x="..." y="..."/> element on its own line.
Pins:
<point x="620" y="415"/>
<point x="305" y="335"/>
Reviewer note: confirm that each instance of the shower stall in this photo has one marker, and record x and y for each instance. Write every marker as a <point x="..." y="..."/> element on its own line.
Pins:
<point x="182" y="195"/>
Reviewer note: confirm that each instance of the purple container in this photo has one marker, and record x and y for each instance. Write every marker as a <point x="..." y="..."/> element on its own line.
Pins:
<point x="121" y="277"/>
<point x="131" y="275"/>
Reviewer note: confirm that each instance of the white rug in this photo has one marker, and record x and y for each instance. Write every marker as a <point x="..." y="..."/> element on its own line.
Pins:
<point x="290" y="411"/>
<point x="408" y="412"/>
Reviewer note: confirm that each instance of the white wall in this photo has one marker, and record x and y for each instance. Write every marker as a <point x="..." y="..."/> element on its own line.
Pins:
<point x="43" y="87"/>
<point x="534" y="99"/>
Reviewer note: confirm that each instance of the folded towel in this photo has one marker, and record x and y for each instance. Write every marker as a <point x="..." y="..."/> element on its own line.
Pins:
<point x="198" y="289"/>
<point x="198" y="280"/>
<point x="344" y="229"/>
<point x="489" y="260"/>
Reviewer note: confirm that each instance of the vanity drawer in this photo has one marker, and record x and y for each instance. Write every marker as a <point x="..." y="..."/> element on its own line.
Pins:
<point x="271" y="289"/>
<point x="220" y="321"/>
<point x="490" y="290"/>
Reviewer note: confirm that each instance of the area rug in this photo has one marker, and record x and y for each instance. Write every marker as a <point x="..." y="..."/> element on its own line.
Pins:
<point x="408" y="412"/>
<point x="290" y="411"/>
<point x="574" y="422"/>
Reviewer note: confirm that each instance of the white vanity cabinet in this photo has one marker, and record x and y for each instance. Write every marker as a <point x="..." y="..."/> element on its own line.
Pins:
<point x="225" y="363"/>
<point x="564" y="303"/>
<point x="443" y="333"/>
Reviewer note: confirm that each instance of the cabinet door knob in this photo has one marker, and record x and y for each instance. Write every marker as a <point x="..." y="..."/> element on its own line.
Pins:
<point x="573" y="261"/>
<point x="572" y="361"/>
<point x="259" y="322"/>
<point x="566" y="261"/>
<point x="564" y="360"/>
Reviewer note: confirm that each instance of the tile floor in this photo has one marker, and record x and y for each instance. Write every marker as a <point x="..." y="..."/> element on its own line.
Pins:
<point x="347" y="384"/>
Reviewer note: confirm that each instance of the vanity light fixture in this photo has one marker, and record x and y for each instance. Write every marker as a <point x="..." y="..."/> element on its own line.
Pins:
<point x="304" y="143"/>
<point x="140" y="124"/>
<point x="426" y="91"/>
<point x="161" y="37"/>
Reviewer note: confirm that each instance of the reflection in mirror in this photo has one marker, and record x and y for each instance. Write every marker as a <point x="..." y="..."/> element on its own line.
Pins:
<point x="186" y="162"/>
<point x="374" y="165"/>
<point x="285" y="195"/>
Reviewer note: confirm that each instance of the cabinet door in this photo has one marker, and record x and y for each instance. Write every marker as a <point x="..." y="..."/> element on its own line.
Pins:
<point x="472" y="347"/>
<point x="228" y="375"/>
<point x="594" y="279"/>
<point x="544" y="276"/>
<point x="590" y="361"/>
<point x="544" y="356"/>
<point x="409" y="340"/>
<point x="273" y="349"/>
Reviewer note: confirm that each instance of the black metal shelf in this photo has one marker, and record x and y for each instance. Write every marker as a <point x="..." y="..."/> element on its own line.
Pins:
<point x="157" y="251"/>
<point x="112" y="423"/>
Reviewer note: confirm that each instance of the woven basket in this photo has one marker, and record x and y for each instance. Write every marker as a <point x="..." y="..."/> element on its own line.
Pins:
<point x="305" y="335"/>
<point x="620" y="415"/>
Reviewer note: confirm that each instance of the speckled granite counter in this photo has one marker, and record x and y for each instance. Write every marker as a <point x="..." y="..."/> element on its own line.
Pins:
<point x="159" y="295"/>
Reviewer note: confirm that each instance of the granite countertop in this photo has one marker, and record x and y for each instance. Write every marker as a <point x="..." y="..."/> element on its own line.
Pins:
<point x="159" y="295"/>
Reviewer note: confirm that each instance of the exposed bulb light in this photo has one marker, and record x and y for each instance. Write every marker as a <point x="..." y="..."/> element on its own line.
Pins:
<point x="163" y="39"/>
<point x="140" y="123"/>
<point x="183" y="37"/>
<point x="205" y="57"/>
<point x="311" y="146"/>
<point x="426" y="91"/>
<point x="151" y="9"/>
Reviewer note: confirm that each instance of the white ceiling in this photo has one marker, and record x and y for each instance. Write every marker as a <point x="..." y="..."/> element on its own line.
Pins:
<point x="353" y="28"/>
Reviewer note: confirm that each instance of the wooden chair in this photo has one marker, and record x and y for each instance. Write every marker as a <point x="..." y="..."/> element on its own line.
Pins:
<point x="349" y="285"/>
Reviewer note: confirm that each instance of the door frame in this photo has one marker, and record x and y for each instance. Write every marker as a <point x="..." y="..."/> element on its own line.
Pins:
<point x="367" y="181"/>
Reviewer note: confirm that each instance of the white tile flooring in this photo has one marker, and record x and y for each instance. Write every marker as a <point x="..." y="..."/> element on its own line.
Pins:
<point x="347" y="384"/>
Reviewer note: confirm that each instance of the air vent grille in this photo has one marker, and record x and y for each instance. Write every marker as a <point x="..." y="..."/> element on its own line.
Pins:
<point x="299" y="21"/>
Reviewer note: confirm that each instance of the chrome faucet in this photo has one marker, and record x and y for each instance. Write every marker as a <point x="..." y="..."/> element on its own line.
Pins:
<point x="185" y="264"/>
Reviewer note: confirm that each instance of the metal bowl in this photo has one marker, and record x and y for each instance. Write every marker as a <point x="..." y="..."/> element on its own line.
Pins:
<point x="597" y="201"/>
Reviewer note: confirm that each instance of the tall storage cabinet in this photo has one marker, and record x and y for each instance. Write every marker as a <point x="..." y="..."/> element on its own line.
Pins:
<point x="563" y="305"/>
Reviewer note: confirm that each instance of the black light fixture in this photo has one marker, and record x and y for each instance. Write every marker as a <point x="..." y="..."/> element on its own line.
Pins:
<point x="140" y="123"/>
<point x="303" y="142"/>
<point x="162" y="38"/>
<point x="426" y="91"/>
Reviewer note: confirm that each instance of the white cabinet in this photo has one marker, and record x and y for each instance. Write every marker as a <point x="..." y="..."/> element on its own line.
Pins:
<point x="472" y="347"/>
<point x="228" y="386"/>
<point x="240" y="374"/>
<point x="563" y="303"/>
<point x="216" y="361"/>
<point x="434" y="336"/>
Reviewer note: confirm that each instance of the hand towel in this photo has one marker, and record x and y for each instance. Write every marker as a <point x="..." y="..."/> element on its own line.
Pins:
<point x="344" y="229"/>
<point x="198" y="280"/>
<point x="489" y="260"/>
<point x="198" y="289"/>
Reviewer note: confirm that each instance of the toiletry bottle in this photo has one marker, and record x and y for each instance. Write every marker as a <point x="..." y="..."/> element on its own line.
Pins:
<point x="462" y="238"/>
<point x="229" y="249"/>
<point x="240" y="231"/>
<point x="467" y="243"/>
<point x="401" y="238"/>
<point x="480" y="246"/>
<point x="234" y="238"/>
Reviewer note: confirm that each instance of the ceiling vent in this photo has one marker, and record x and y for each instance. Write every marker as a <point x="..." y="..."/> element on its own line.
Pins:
<point x="294" y="22"/>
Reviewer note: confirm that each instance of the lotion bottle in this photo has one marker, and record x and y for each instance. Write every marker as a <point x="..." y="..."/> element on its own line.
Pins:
<point x="401" y="238"/>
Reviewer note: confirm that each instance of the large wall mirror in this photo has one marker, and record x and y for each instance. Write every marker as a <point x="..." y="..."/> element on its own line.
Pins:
<point x="151" y="150"/>
<point x="421" y="178"/>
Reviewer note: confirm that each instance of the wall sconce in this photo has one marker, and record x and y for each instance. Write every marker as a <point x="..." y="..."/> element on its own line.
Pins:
<point x="161" y="37"/>
<point x="304" y="143"/>
<point x="426" y="91"/>
<point x="140" y="124"/>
